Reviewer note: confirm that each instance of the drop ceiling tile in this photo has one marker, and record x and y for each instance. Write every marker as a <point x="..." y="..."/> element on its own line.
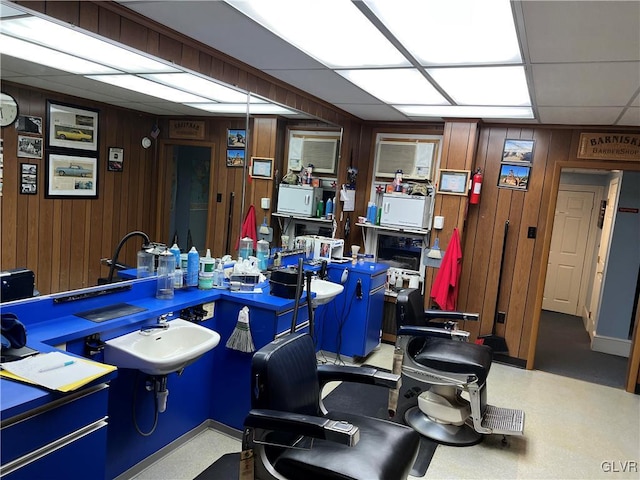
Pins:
<point x="586" y="84"/>
<point x="325" y="84"/>
<point x="579" y="115"/>
<point x="631" y="117"/>
<point x="373" y="112"/>
<point x="218" y="24"/>
<point x="582" y="31"/>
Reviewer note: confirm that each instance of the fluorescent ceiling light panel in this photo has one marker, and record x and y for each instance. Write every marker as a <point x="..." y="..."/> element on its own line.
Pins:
<point x="398" y="85"/>
<point x="334" y="32"/>
<point x="199" y="86"/>
<point x="484" y="85"/>
<point x="453" y="32"/>
<point x="261" y="108"/>
<point x="50" y="58"/>
<point x="141" y="85"/>
<point x="77" y="43"/>
<point x="7" y="11"/>
<point x="457" y="111"/>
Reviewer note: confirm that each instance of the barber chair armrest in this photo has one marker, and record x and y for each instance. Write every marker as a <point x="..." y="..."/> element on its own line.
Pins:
<point x="419" y="331"/>
<point x="365" y="375"/>
<point x="310" y="426"/>
<point x="450" y="316"/>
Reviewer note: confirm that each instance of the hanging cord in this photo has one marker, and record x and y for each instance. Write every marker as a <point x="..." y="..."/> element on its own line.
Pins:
<point x="136" y="383"/>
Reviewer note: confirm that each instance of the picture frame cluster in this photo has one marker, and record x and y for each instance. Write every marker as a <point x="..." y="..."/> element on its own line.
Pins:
<point x="236" y="147"/>
<point x="515" y="165"/>
<point x="71" y="167"/>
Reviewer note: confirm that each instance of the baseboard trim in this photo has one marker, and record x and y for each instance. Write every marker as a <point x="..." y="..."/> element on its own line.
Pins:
<point x="611" y="345"/>
<point x="512" y="361"/>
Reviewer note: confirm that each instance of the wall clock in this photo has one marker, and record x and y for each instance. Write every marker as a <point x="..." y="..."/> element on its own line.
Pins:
<point x="8" y="109"/>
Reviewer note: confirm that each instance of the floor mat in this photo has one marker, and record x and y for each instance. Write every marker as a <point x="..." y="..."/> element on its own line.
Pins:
<point x="227" y="467"/>
<point x="110" y="312"/>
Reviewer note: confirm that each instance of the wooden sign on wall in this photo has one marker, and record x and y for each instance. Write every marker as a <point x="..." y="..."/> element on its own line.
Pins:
<point x="186" y="129"/>
<point x="609" y="146"/>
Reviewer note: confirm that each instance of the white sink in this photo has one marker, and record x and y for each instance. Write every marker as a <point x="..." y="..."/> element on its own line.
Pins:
<point x="325" y="291"/>
<point x="161" y="351"/>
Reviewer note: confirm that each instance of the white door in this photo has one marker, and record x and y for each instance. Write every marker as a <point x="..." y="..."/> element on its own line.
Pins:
<point x="603" y="251"/>
<point x="568" y="249"/>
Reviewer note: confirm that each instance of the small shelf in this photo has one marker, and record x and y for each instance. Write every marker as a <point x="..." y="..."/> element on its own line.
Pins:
<point x="418" y="231"/>
<point x="300" y="218"/>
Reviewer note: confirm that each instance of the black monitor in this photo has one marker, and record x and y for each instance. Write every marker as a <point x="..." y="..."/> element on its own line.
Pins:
<point x="17" y="284"/>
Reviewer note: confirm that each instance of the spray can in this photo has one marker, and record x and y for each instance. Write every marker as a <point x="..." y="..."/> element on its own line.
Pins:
<point x="193" y="261"/>
<point x="178" y="279"/>
<point x="328" y="209"/>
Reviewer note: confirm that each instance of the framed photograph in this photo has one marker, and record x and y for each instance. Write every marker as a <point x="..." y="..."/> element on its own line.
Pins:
<point x="70" y="176"/>
<point x="29" y="124"/>
<point x="514" y="176"/>
<point x="29" y="147"/>
<point x="453" y="182"/>
<point x="236" y="138"/>
<point x="28" y="178"/>
<point x="518" y="151"/>
<point x="72" y="127"/>
<point x="261" y="167"/>
<point x="116" y="159"/>
<point x="235" y="157"/>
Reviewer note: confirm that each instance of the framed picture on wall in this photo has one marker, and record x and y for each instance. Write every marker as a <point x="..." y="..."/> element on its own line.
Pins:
<point x="70" y="176"/>
<point x="514" y="176"/>
<point x="116" y="159"/>
<point x="236" y="138"/>
<point x="29" y="147"/>
<point x="235" y="157"/>
<point x="261" y="167"/>
<point x="72" y="127"/>
<point x="28" y="178"/>
<point x="518" y="151"/>
<point x="453" y="182"/>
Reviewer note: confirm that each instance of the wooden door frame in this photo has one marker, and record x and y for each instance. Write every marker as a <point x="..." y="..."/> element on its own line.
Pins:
<point x="164" y="184"/>
<point x="633" y="367"/>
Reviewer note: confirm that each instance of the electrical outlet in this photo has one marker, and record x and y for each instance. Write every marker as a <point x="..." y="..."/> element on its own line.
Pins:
<point x="209" y="308"/>
<point x="501" y="317"/>
<point x="531" y="232"/>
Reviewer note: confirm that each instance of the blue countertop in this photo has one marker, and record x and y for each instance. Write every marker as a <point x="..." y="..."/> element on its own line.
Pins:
<point x="50" y="322"/>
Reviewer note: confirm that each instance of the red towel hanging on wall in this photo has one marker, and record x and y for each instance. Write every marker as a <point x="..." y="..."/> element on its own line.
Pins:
<point x="445" y="287"/>
<point x="249" y="228"/>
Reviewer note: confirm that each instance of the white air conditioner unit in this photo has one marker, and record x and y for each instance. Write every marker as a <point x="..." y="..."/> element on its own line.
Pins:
<point x="414" y="158"/>
<point x="319" y="149"/>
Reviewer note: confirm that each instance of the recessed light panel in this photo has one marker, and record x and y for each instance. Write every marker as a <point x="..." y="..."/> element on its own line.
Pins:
<point x="141" y="85"/>
<point x="396" y="85"/>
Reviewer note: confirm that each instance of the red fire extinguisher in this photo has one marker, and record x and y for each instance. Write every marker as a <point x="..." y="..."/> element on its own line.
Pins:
<point x="476" y="186"/>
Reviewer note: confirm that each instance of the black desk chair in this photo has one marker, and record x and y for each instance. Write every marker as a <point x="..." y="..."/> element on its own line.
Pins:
<point x="293" y="437"/>
<point x="430" y="350"/>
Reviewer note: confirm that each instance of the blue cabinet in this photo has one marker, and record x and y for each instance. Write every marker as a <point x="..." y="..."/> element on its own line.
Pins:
<point x="351" y="324"/>
<point x="66" y="438"/>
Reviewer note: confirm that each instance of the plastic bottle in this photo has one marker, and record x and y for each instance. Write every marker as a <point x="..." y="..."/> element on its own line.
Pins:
<point x="205" y="274"/>
<point x="166" y="269"/>
<point x="178" y="279"/>
<point x="246" y="247"/>
<point x="328" y="209"/>
<point x="263" y="254"/>
<point x="320" y="209"/>
<point x="193" y="263"/>
<point x="220" y="274"/>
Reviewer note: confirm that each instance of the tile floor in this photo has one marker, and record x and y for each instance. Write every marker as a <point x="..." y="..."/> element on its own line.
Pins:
<point x="573" y="430"/>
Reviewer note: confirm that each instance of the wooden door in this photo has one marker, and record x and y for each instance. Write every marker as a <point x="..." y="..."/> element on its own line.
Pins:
<point x="571" y="227"/>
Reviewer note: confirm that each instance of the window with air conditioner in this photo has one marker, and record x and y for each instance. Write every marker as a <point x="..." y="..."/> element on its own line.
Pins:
<point x="413" y="154"/>
<point x="317" y="148"/>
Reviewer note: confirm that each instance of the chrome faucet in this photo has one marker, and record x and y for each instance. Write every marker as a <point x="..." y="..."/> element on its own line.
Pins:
<point x="161" y="325"/>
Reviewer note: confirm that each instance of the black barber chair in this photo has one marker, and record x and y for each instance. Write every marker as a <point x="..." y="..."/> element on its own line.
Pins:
<point x="293" y="437"/>
<point x="431" y="351"/>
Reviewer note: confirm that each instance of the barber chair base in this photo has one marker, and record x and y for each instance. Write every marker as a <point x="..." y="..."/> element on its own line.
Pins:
<point x="446" y="434"/>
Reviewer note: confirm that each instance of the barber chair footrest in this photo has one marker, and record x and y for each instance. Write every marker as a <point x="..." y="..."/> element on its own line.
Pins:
<point x="505" y="421"/>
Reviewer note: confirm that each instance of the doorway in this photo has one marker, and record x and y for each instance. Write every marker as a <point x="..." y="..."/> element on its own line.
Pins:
<point x="566" y="326"/>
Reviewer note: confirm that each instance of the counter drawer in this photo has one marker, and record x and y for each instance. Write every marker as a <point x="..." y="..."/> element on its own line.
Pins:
<point x="36" y="428"/>
<point x="80" y="455"/>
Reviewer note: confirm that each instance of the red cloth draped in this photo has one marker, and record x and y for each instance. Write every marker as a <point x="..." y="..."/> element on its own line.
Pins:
<point x="249" y="228"/>
<point x="445" y="287"/>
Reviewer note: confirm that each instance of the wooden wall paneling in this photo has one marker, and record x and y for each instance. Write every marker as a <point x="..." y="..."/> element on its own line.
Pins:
<point x="10" y="195"/>
<point x="54" y="251"/>
<point x="76" y="250"/>
<point x="106" y="182"/>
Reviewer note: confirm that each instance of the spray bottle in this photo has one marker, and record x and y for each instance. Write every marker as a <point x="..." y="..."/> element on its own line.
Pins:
<point x="193" y="264"/>
<point x="178" y="275"/>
